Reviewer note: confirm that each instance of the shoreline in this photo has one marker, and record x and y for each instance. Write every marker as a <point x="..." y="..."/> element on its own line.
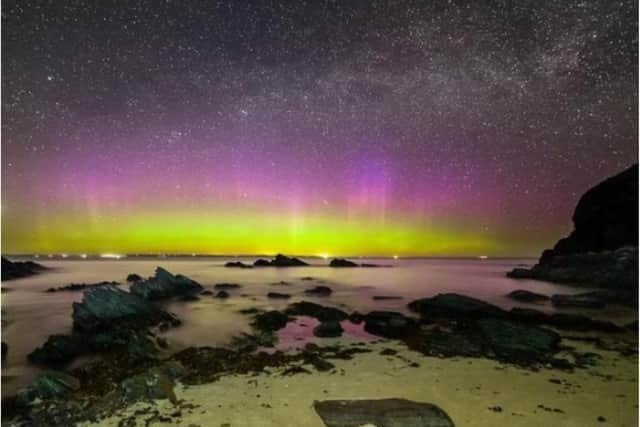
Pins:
<point x="472" y="391"/>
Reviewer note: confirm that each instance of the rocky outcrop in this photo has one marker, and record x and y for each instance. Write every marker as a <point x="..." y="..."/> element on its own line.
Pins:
<point x="18" y="269"/>
<point x="602" y="250"/>
<point x="322" y="313"/>
<point x="280" y="261"/>
<point x="328" y="329"/>
<point x="108" y="319"/>
<point x="165" y="285"/>
<point x="388" y="324"/>
<point x="381" y="413"/>
<point x="237" y="264"/>
<point x="454" y="306"/>
<point x="319" y="291"/>
<point x="340" y="262"/>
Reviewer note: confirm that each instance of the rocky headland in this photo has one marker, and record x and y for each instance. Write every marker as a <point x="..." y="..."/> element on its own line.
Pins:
<point x="19" y="269"/>
<point x="602" y="250"/>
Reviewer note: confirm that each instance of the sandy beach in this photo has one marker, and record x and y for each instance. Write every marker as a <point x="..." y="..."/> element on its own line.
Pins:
<point x="474" y="392"/>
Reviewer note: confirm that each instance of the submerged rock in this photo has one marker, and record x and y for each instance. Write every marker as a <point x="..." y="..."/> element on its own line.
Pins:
<point x="340" y="262"/>
<point x="323" y="314"/>
<point x="237" y="264"/>
<point x="328" y="329"/>
<point x="320" y="291"/>
<point x="280" y="261"/>
<point x="388" y="324"/>
<point x="385" y="297"/>
<point x="454" y="306"/>
<point x="381" y="413"/>
<point x="226" y="286"/>
<point x="165" y="285"/>
<point x="574" y="322"/>
<point x="277" y="295"/>
<point x="527" y="296"/>
<point x="18" y="269"/>
<point x="587" y="300"/>
<point x="81" y="286"/>
<point x="222" y="295"/>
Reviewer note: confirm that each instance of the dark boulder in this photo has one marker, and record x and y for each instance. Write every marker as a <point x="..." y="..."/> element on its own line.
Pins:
<point x="328" y="329"/>
<point x="222" y="295"/>
<point x="381" y="413"/>
<point x="58" y="350"/>
<point x="527" y="296"/>
<point x="319" y="291"/>
<point x="165" y="285"/>
<point x="280" y="261"/>
<point x="454" y="306"/>
<point x="270" y="321"/>
<point x="388" y="324"/>
<point x="276" y="295"/>
<point x="340" y="262"/>
<point x="386" y="297"/>
<point x="18" y="269"/>
<point x="133" y="277"/>
<point x="587" y="300"/>
<point x="323" y="314"/>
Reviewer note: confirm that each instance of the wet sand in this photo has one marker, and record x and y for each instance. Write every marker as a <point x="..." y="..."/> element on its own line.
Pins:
<point x="467" y="389"/>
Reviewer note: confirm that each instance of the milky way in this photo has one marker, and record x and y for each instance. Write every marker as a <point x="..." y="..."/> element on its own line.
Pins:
<point x="357" y="127"/>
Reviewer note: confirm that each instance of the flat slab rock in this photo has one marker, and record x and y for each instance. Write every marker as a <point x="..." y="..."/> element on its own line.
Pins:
<point x="381" y="413"/>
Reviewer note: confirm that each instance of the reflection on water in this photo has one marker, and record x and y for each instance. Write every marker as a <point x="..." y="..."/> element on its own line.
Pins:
<point x="30" y="315"/>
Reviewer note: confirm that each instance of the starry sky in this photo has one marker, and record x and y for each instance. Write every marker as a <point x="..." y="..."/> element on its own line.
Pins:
<point x="310" y="127"/>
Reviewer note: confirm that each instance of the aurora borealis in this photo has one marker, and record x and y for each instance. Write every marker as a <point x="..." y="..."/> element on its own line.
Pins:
<point x="347" y="128"/>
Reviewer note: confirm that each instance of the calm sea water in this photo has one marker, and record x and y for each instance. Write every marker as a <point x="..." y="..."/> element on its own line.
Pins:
<point x="30" y="315"/>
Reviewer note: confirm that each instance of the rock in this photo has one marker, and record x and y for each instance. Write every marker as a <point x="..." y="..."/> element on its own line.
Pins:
<point x="222" y="294"/>
<point x="5" y="351"/>
<point x="340" y="262"/>
<point x="562" y="321"/>
<point x="602" y="250"/>
<point x="356" y="318"/>
<point x="48" y="385"/>
<point x="101" y="306"/>
<point x="527" y="296"/>
<point x="587" y="300"/>
<point x="328" y="329"/>
<point x="385" y="297"/>
<point x="321" y="291"/>
<point x="388" y="324"/>
<point x="280" y="261"/>
<point x="156" y="383"/>
<point x="250" y="343"/>
<point x="165" y="285"/>
<point x="454" y="306"/>
<point x="270" y="321"/>
<point x="499" y="339"/>
<point x="226" y="286"/>
<point x="81" y="286"/>
<point x="189" y="297"/>
<point x="206" y="292"/>
<point x="18" y="269"/>
<point x="381" y="413"/>
<point x="323" y="314"/>
<point x="58" y="350"/>
<point x="133" y="277"/>
<point x="237" y="264"/>
<point x="276" y="295"/>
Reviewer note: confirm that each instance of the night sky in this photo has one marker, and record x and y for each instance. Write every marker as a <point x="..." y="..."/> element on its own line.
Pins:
<point x="351" y="127"/>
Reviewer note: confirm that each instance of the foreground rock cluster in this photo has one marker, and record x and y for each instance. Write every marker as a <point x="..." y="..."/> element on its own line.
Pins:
<point x="122" y="326"/>
<point x="602" y="250"/>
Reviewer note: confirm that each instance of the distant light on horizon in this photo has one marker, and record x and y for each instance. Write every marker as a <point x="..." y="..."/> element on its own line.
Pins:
<point x="112" y="256"/>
